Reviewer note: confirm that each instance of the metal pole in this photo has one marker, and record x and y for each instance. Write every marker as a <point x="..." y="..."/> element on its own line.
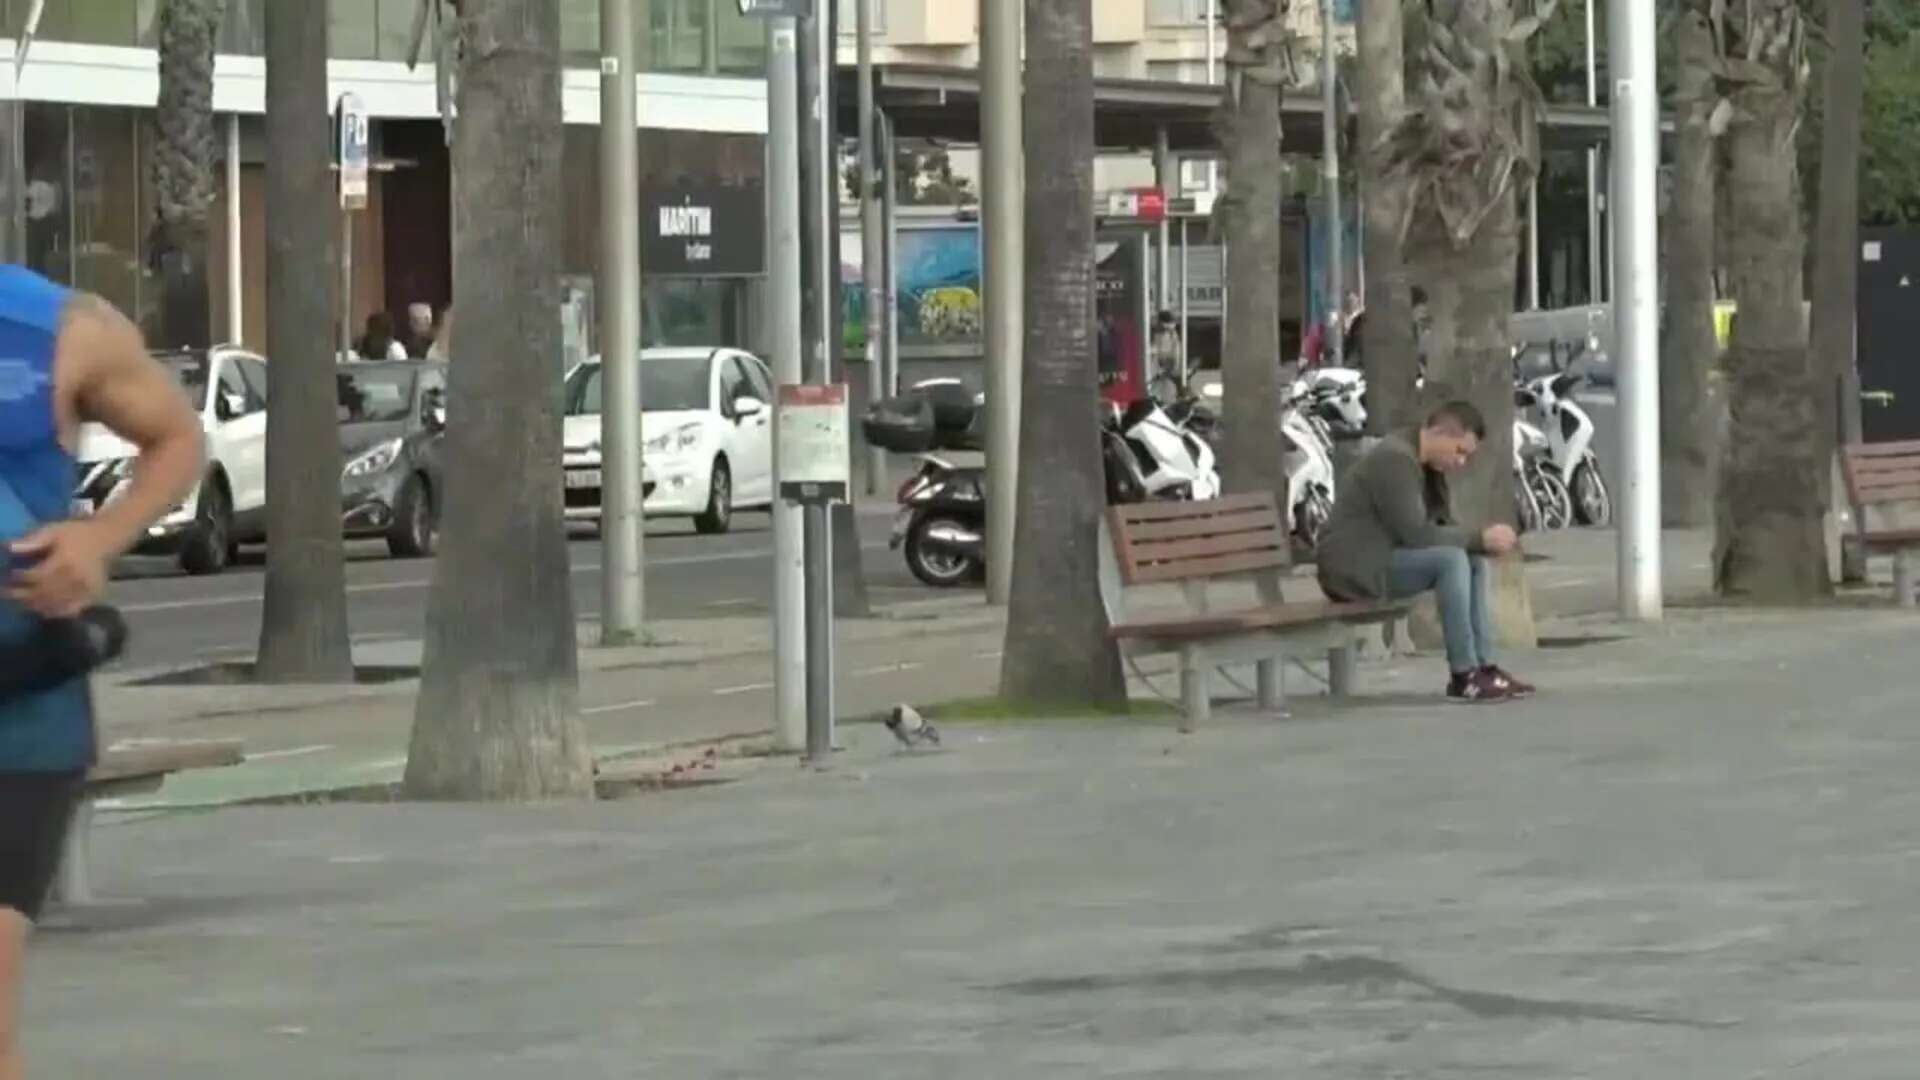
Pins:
<point x="1533" y="244"/>
<point x="784" y="331"/>
<point x="890" y="249"/>
<point x="236" y="291"/>
<point x="622" y="513"/>
<point x="819" y="584"/>
<point x="1186" y="362"/>
<point x="1593" y="174"/>
<point x="1169" y="184"/>
<point x="1636" y="308"/>
<point x="820" y="195"/>
<point x="1330" y="166"/>
<point x="873" y="254"/>
<point x="1002" y="223"/>
<point x="346" y="283"/>
<point x="1213" y="79"/>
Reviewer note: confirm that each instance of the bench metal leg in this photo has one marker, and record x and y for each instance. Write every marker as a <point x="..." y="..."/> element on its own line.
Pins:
<point x="1903" y="584"/>
<point x="1271" y="681"/>
<point x="1340" y="671"/>
<point x="1195" y="702"/>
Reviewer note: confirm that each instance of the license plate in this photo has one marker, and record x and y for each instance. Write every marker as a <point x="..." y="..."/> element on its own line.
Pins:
<point x="583" y="478"/>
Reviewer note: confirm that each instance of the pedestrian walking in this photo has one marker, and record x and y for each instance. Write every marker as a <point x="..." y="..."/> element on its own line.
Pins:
<point x="66" y="358"/>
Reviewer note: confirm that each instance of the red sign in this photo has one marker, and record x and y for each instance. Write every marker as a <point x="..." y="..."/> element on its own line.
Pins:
<point x="813" y="394"/>
<point x="1153" y="204"/>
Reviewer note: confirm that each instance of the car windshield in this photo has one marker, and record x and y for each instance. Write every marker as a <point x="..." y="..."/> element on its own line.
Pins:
<point x="375" y="395"/>
<point x="667" y="384"/>
<point x="190" y="371"/>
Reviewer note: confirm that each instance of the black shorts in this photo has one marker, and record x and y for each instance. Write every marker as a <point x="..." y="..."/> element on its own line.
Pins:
<point x="35" y="812"/>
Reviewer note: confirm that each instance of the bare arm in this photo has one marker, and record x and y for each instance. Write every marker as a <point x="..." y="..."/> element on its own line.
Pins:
<point x="117" y="384"/>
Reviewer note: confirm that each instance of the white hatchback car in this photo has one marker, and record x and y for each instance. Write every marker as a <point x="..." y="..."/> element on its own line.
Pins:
<point x="706" y="418"/>
<point x="227" y="387"/>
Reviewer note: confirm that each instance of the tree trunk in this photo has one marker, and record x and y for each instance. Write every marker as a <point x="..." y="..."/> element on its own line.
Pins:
<point x="1250" y="137"/>
<point x="1771" y="545"/>
<point x="1837" y="236"/>
<point x="182" y="167"/>
<point x="303" y="625"/>
<point x="1690" y="347"/>
<point x="498" y="713"/>
<point x="1057" y="649"/>
<point x="1470" y="302"/>
<point x="1391" y="356"/>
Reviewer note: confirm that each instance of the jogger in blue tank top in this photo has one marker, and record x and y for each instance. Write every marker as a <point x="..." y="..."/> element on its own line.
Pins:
<point x="65" y="359"/>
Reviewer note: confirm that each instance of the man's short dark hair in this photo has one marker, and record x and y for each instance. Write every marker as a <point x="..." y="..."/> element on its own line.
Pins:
<point x="1458" y="418"/>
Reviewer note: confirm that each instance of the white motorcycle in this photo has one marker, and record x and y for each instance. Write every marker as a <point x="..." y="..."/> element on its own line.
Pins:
<point x="1548" y="401"/>
<point x="1155" y="458"/>
<point x="1339" y="398"/>
<point x="1540" y="498"/>
<point x="1306" y="447"/>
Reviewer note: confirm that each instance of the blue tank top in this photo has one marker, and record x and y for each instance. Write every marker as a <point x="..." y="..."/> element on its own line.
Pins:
<point x="53" y="731"/>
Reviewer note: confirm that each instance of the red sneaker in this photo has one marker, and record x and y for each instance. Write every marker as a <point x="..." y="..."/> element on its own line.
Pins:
<point x="1477" y="688"/>
<point x="1514" y="687"/>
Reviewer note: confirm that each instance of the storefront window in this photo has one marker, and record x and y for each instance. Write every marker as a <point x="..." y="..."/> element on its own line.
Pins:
<point x="83" y="207"/>
<point x="743" y="41"/>
<point x="696" y="312"/>
<point x="677" y="35"/>
<point x="91" y="22"/>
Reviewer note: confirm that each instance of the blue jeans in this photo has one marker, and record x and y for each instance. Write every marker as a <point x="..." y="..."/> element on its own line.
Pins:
<point x="1459" y="583"/>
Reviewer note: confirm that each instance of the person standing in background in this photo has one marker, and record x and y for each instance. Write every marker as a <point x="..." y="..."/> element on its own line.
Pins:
<point x="421" y="327"/>
<point x="441" y="347"/>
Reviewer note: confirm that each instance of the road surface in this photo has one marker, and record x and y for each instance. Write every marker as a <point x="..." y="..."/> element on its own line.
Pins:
<point x="178" y="620"/>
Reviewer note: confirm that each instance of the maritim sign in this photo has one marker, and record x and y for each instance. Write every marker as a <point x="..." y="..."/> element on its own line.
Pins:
<point x="716" y="231"/>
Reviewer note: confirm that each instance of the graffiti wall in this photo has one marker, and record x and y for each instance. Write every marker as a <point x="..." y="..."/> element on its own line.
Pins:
<point x="937" y="287"/>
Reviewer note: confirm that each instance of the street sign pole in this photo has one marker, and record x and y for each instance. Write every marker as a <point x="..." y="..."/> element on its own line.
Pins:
<point x="622" y="509"/>
<point x="785" y="337"/>
<point x="351" y="126"/>
<point x="1631" y="41"/>
<point x="815" y="473"/>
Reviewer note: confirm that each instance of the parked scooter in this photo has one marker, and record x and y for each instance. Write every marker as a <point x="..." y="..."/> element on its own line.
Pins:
<point x="1338" y="396"/>
<point x="1541" y="501"/>
<point x="1548" y="401"/>
<point x="1307" y="451"/>
<point x="943" y="513"/>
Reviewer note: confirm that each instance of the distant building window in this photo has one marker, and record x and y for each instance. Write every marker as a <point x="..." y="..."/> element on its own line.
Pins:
<point x="1177" y="12"/>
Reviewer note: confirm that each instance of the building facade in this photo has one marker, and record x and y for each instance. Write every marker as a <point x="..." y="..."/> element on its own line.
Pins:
<point x="85" y="107"/>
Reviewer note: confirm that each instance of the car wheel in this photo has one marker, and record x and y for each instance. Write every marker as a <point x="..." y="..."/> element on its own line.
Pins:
<point x="208" y="542"/>
<point x="718" y="516"/>
<point x="414" y="526"/>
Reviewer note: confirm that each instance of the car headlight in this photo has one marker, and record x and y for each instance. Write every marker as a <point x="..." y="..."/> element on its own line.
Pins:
<point x="377" y="460"/>
<point x="683" y="438"/>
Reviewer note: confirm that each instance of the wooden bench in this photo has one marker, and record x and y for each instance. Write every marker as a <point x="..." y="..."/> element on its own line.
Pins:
<point x="1200" y="543"/>
<point x="127" y="770"/>
<point x="1880" y="475"/>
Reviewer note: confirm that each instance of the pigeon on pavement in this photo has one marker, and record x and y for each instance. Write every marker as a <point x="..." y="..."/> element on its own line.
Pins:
<point x="911" y="728"/>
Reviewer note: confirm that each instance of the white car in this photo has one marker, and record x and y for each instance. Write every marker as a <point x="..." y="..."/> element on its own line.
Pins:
<point x="706" y="422"/>
<point x="228" y="389"/>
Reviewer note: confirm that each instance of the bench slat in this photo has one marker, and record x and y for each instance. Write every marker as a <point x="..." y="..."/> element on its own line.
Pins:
<point x="1200" y="547"/>
<point x="1892" y="538"/>
<point x="1884" y="449"/>
<point x="1276" y="617"/>
<point x="1179" y="529"/>
<point x="1877" y="465"/>
<point x="1132" y="513"/>
<point x="1892" y="493"/>
<point x="1213" y="566"/>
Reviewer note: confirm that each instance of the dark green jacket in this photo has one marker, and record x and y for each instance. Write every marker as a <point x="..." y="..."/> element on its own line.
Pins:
<point x="1387" y="500"/>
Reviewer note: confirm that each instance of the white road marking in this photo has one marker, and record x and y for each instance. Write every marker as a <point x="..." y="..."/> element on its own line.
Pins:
<point x="621" y="706"/>
<point x="990" y="654"/>
<point x="398" y="586"/>
<point x="298" y="751"/>
<point x="887" y="669"/>
<point x="729" y="691"/>
<point x="739" y="601"/>
<point x="1575" y="583"/>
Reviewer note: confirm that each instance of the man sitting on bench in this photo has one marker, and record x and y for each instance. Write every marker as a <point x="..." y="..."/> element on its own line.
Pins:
<point x="1392" y="537"/>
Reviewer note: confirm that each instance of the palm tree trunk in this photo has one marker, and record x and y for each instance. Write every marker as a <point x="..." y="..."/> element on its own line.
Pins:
<point x="1058" y="650"/>
<point x="1391" y="355"/>
<point x="1771" y="546"/>
<point x="1837" y="237"/>
<point x="182" y="168"/>
<point x="1690" y="346"/>
<point x="498" y="714"/>
<point x="1250" y="140"/>
<point x="303" y="625"/>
